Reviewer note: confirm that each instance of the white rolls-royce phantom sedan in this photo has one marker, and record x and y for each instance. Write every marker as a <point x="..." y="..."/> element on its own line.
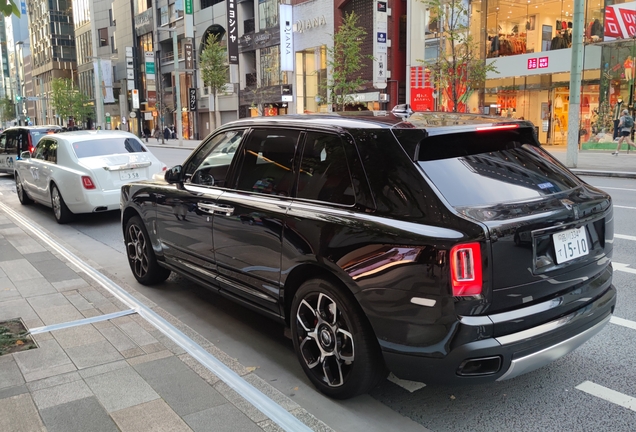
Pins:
<point x="83" y="171"/>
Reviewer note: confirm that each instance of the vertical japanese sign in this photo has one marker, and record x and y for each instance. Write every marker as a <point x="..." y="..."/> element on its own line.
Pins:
<point x="192" y="99"/>
<point x="135" y="99"/>
<point x="286" y="38"/>
<point x="151" y="89"/>
<point x="232" y="32"/>
<point x="189" y="56"/>
<point x="380" y="20"/>
<point x="188" y="19"/>
<point x="421" y="90"/>
<point x="106" y="75"/>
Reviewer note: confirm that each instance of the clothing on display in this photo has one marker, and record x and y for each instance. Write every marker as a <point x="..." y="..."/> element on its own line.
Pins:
<point x="507" y="45"/>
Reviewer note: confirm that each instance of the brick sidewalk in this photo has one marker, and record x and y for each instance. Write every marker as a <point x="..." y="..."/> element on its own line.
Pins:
<point x="121" y="374"/>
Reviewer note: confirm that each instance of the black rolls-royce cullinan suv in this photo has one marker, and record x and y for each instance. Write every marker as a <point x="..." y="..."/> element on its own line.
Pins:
<point x="444" y="248"/>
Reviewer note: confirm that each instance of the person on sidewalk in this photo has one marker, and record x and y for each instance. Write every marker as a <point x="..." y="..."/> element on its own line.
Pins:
<point x="616" y="117"/>
<point x="166" y="133"/>
<point x="626" y="123"/>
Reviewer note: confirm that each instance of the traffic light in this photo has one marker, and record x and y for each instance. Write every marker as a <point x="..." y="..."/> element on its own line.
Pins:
<point x="18" y="98"/>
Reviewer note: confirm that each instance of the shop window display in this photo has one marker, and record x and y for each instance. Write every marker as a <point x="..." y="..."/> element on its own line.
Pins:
<point x="537" y="26"/>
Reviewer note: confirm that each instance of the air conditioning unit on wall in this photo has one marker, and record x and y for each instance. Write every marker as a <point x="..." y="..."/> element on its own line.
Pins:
<point x="385" y="97"/>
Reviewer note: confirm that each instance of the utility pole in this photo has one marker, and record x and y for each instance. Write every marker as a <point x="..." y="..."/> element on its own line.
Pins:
<point x="177" y="83"/>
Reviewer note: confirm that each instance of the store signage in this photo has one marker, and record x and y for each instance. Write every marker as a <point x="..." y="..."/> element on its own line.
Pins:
<point x="286" y="38"/>
<point x="302" y="26"/>
<point x="192" y="92"/>
<point x="151" y="89"/>
<point x="265" y="38"/>
<point x="189" y="56"/>
<point x="620" y="21"/>
<point x="135" y="100"/>
<point x="541" y="63"/>
<point x="380" y="20"/>
<point x="421" y="90"/>
<point x="144" y="21"/>
<point x="232" y="32"/>
<point x="188" y="7"/>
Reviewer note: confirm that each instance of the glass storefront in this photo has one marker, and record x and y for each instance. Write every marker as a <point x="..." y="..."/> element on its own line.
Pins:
<point x="311" y="80"/>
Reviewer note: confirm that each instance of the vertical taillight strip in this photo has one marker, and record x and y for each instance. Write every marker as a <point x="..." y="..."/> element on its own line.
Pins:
<point x="466" y="269"/>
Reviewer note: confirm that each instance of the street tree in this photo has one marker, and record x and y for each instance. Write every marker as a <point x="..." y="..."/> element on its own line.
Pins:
<point x="214" y="70"/>
<point x="345" y="61"/>
<point x="459" y="69"/>
<point x="9" y="7"/>
<point x="68" y="101"/>
<point x="7" y="109"/>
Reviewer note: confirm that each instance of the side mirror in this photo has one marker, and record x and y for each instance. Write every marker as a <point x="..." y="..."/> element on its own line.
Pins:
<point x="173" y="175"/>
<point x="25" y="155"/>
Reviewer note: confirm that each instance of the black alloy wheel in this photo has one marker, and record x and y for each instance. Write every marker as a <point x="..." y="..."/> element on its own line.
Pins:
<point x="141" y="256"/>
<point x="334" y="341"/>
<point x="22" y="195"/>
<point x="60" y="210"/>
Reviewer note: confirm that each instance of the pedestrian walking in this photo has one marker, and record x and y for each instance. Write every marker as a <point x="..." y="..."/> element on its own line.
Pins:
<point x="146" y="133"/>
<point x="166" y="133"/>
<point x="625" y="124"/>
<point x="173" y="132"/>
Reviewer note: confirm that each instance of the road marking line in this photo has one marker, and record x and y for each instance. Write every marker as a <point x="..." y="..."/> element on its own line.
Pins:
<point x="625" y="237"/>
<point x="623" y="322"/>
<point x="625" y="207"/>
<point x="410" y="386"/>
<point x="623" y="268"/>
<point x="608" y="394"/>
<point x="616" y="188"/>
<point x="80" y="322"/>
<point x="254" y="396"/>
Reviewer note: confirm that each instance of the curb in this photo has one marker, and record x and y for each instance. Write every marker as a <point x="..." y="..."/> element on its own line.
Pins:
<point x="599" y="173"/>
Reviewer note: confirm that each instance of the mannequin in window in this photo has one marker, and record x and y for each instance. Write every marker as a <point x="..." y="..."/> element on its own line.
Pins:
<point x="629" y="68"/>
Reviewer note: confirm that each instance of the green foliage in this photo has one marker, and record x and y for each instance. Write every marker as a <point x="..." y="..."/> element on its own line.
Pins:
<point x="605" y="118"/>
<point x="67" y="101"/>
<point x="9" y="7"/>
<point x="213" y="64"/>
<point x="7" y="109"/>
<point x="459" y="70"/>
<point x="345" y="60"/>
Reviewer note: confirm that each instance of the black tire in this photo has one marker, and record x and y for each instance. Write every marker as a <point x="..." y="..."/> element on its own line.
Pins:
<point x="353" y="362"/>
<point x="141" y="256"/>
<point x="22" y="194"/>
<point x="60" y="210"/>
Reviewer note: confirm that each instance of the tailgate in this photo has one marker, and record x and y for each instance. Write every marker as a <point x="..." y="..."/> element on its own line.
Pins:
<point x="113" y="171"/>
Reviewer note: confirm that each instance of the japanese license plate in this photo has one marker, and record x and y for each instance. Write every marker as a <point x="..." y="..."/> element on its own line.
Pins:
<point x="129" y="175"/>
<point x="570" y="244"/>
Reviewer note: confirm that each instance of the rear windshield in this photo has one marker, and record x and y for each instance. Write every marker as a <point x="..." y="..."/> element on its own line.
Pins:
<point x="109" y="146"/>
<point x="484" y="168"/>
<point x="37" y="135"/>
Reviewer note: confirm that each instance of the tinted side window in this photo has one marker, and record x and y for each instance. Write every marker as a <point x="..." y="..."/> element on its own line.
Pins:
<point x="211" y="164"/>
<point x="324" y="172"/>
<point x="13" y="142"/>
<point x="267" y="158"/>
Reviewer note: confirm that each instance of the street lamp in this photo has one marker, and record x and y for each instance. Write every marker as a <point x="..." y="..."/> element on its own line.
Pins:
<point x="177" y="80"/>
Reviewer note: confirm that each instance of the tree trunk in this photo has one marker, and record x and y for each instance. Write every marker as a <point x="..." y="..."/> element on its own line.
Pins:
<point x="217" y="113"/>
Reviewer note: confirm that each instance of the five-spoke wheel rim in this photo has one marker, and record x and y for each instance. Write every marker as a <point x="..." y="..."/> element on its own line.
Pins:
<point x="324" y="337"/>
<point x="55" y="200"/>
<point x="136" y="249"/>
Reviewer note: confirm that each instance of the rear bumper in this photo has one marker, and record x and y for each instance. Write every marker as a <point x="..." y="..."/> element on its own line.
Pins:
<point x="96" y="200"/>
<point x="513" y="354"/>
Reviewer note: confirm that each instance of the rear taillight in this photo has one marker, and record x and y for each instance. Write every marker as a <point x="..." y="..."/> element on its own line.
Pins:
<point x="496" y="127"/>
<point x="87" y="182"/>
<point x="465" y="260"/>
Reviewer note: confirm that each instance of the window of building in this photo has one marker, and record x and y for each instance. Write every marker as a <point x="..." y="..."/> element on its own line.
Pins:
<point x="266" y="166"/>
<point x="311" y="80"/>
<point x="324" y="172"/>
<point x="268" y="13"/>
<point x="270" y="67"/>
<point x="208" y="3"/>
<point x="103" y="37"/>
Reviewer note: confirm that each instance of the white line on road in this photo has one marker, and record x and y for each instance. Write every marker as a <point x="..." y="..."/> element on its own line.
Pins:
<point x="623" y="267"/>
<point x="625" y="237"/>
<point x="623" y="322"/>
<point x="608" y="394"/>
<point x="625" y="207"/>
<point x="615" y="188"/>
<point x="410" y="386"/>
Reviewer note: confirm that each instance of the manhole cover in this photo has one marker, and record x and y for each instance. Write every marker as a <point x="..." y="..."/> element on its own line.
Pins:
<point x="14" y="337"/>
